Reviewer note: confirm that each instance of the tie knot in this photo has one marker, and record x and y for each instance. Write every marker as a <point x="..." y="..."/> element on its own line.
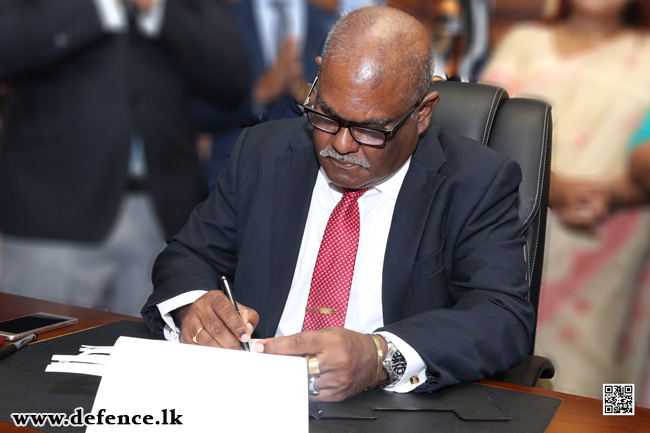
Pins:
<point x="353" y="194"/>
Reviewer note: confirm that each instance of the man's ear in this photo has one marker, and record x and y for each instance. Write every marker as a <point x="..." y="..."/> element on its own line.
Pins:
<point x="426" y="108"/>
<point x="318" y="60"/>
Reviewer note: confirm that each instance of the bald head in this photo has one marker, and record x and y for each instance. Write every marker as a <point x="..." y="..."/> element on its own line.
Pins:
<point x="382" y="46"/>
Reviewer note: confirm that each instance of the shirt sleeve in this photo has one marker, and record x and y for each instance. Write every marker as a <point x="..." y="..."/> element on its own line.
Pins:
<point x="171" y="331"/>
<point x="415" y="373"/>
<point x="111" y="15"/>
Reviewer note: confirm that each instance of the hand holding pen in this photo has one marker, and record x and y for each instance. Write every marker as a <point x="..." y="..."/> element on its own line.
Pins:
<point x="211" y="320"/>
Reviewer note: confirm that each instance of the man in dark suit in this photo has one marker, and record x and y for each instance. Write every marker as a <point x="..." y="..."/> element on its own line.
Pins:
<point x="437" y="293"/>
<point x="279" y="70"/>
<point x="95" y="117"/>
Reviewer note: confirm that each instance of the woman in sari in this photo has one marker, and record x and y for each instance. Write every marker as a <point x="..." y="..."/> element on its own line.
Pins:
<point x="591" y="61"/>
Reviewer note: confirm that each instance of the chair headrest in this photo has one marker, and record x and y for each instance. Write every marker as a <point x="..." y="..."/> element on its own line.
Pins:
<point x="467" y="109"/>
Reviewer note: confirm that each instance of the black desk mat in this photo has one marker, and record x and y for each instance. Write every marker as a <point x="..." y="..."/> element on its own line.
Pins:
<point x="529" y="413"/>
<point x="26" y="387"/>
<point x="466" y="400"/>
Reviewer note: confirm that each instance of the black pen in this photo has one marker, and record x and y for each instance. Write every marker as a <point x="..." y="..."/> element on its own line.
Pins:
<point x="17" y="345"/>
<point x="228" y="292"/>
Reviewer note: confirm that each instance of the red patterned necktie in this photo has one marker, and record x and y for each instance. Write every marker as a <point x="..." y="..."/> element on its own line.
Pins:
<point x="330" y="285"/>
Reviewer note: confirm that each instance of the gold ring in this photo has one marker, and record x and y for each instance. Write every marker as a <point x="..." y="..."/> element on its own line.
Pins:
<point x="312" y="362"/>
<point x="196" y="335"/>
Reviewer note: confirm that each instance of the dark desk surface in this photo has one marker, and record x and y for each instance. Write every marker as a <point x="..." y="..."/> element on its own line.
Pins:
<point x="575" y="415"/>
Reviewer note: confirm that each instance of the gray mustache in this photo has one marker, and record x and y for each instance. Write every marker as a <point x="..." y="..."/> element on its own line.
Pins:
<point x="348" y="159"/>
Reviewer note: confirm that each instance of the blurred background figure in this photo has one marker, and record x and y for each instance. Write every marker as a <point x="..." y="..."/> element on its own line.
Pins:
<point x="98" y="162"/>
<point x="347" y="6"/>
<point x="591" y="61"/>
<point x="461" y="34"/>
<point x="282" y="38"/>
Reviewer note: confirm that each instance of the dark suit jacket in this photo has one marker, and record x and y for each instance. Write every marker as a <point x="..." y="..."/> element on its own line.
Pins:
<point x="227" y="125"/>
<point x="454" y="274"/>
<point x="79" y="95"/>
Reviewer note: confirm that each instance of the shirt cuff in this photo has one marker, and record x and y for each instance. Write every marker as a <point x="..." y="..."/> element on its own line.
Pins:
<point x="415" y="374"/>
<point x="171" y="331"/>
<point x="151" y="22"/>
<point x="111" y="15"/>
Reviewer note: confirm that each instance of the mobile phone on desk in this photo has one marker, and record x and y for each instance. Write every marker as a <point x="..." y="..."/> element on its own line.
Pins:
<point x="15" y="329"/>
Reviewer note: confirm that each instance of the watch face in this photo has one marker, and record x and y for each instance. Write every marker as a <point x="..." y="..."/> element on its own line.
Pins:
<point x="398" y="363"/>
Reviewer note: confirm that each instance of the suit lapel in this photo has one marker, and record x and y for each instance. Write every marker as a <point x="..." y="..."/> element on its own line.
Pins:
<point x="409" y="220"/>
<point x="295" y="176"/>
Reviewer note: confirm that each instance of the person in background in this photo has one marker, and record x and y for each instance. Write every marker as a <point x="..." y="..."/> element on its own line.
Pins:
<point x="591" y="61"/>
<point x="345" y="236"/>
<point x="98" y="162"/>
<point x="282" y="38"/>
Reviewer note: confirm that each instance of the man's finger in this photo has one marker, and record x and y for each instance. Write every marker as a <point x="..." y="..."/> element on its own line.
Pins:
<point x="229" y="327"/>
<point x="194" y="331"/>
<point x="250" y="317"/>
<point x="216" y="332"/>
<point x="190" y="325"/>
<point x="220" y="335"/>
<point x="300" y="344"/>
<point x="200" y="317"/>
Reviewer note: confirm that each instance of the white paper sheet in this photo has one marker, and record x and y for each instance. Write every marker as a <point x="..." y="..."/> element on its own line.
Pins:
<point x="211" y="389"/>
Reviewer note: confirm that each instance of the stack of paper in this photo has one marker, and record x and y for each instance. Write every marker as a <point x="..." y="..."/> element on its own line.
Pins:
<point x="189" y="388"/>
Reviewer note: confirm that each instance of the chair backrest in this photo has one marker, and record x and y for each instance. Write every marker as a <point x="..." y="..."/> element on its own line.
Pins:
<point x="518" y="128"/>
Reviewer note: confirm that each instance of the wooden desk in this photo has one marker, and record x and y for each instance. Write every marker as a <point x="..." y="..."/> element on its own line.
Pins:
<point x="575" y="415"/>
<point x="12" y="306"/>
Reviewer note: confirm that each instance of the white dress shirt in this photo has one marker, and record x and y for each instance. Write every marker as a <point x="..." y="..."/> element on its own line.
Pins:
<point x="365" y="312"/>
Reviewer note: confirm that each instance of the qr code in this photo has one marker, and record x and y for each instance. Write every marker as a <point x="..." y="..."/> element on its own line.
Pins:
<point x="618" y="399"/>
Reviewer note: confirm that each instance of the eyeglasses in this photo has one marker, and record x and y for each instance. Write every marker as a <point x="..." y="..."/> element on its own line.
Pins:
<point x="363" y="134"/>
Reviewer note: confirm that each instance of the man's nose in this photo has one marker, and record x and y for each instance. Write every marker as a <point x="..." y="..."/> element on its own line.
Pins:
<point x="344" y="142"/>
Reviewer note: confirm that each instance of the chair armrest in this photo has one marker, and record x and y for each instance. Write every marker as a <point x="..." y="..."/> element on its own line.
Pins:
<point x="528" y="372"/>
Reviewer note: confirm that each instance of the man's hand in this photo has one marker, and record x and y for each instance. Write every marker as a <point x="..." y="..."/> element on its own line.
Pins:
<point x="222" y="326"/>
<point x="285" y="76"/>
<point x="347" y="360"/>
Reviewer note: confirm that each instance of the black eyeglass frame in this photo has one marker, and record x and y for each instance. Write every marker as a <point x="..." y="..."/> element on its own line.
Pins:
<point x="388" y="133"/>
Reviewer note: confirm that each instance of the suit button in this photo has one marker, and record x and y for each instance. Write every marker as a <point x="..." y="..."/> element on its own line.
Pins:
<point x="135" y="101"/>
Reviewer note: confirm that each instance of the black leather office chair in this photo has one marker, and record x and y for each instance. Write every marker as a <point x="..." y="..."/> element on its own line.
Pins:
<point x="519" y="128"/>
